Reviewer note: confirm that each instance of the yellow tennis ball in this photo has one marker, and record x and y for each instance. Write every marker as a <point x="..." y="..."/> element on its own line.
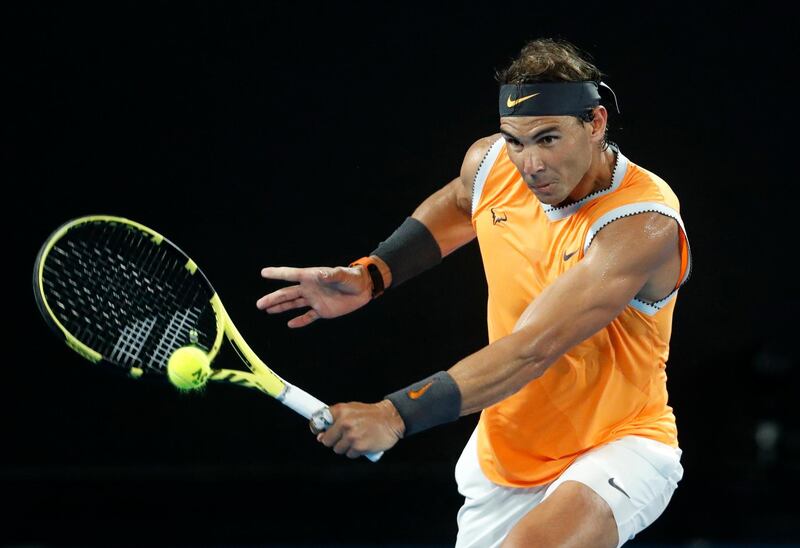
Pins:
<point x="188" y="368"/>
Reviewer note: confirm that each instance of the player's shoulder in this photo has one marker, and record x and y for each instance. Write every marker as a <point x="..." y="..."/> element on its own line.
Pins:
<point x="651" y="186"/>
<point x="479" y="148"/>
<point x="476" y="153"/>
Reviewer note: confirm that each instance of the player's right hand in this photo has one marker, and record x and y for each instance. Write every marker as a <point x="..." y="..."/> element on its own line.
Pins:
<point x="360" y="428"/>
<point x="330" y="292"/>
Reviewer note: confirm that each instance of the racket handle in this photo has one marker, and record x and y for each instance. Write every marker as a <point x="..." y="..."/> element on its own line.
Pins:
<point x="322" y="420"/>
<point x="314" y="410"/>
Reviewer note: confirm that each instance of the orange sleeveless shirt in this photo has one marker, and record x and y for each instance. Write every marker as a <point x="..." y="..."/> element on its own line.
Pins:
<point x="613" y="384"/>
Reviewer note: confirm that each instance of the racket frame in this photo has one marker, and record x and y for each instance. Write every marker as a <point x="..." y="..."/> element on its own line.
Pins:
<point x="259" y="377"/>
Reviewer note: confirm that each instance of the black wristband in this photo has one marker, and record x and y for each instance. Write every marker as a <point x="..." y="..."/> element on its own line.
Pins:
<point x="377" y="280"/>
<point x="428" y="403"/>
<point x="410" y="250"/>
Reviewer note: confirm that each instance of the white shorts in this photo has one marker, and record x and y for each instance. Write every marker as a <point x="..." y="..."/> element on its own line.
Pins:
<point x="636" y="476"/>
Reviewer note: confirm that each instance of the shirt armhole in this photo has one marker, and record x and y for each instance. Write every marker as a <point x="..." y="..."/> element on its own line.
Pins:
<point x="649" y="308"/>
<point x="483" y="172"/>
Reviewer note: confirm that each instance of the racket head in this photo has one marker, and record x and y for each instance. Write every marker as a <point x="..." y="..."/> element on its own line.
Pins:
<point x="122" y="295"/>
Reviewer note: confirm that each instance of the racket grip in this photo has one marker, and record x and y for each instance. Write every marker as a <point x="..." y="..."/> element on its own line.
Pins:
<point x="314" y="410"/>
<point x="322" y="420"/>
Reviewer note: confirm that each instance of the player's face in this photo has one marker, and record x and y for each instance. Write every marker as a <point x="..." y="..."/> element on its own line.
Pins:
<point x="553" y="154"/>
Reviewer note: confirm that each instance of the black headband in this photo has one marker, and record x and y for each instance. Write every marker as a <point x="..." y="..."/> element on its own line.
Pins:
<point x="549" y="98"/>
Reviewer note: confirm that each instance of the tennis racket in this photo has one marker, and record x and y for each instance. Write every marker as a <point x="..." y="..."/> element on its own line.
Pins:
<point x="122" y="295"/>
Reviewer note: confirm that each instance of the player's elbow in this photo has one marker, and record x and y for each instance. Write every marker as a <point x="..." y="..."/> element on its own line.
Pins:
<point x="537" y="364"/>
<point x="536" y="353"/>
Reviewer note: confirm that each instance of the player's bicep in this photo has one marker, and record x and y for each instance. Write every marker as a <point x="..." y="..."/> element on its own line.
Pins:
<point x="624" y="256"/>
<point x="642" y="250"/>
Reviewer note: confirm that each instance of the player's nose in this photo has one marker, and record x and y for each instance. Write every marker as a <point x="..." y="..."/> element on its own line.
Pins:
<point x="532" y="164"/>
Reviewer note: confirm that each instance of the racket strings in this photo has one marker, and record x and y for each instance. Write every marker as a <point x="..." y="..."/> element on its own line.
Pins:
<point x="126" y="296"/>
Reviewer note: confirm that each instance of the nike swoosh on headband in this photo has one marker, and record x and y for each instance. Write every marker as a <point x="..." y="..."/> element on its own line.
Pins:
<point x="514" y="102"/>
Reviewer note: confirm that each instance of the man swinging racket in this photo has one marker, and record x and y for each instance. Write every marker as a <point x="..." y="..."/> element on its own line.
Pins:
<point x="584" y="252"/>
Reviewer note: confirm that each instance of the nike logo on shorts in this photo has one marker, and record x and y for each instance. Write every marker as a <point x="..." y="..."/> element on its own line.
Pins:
<point x="613" y="484"/>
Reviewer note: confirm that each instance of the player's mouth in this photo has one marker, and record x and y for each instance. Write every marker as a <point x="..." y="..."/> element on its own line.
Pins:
<point x="546" y="187"/>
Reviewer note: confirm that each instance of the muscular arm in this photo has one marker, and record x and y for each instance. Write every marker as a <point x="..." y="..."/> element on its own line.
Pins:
<point x="634" y="256"/>
<point x="447" y="213"/>
<point x="620" y="264"/>
<point x="333" y="292"/>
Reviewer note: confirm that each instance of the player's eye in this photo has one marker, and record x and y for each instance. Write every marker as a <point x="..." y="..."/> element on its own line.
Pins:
<point x="548" y="139"/>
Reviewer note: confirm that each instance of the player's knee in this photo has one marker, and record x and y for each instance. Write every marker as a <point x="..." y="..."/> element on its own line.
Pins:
<point x="573" y="515"/>
<point x="528" y="537"/>
<point x="543" y="536"/>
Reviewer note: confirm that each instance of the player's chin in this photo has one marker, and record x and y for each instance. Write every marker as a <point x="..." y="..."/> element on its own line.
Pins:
<point x="547" y="194"/>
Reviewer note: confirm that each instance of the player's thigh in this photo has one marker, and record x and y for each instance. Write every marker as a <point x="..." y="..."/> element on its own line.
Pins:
<point x="634" y="476"/>
<point x="571" y="516"/>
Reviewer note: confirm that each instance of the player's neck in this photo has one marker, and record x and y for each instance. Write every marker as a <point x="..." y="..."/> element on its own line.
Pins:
<point x="599" y="177"/>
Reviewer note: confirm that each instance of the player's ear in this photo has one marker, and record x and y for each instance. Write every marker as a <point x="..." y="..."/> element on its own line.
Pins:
<point x="598" y="124"/>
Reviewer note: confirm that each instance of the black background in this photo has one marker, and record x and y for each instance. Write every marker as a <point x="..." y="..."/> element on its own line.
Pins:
<point x="256" y="135"/>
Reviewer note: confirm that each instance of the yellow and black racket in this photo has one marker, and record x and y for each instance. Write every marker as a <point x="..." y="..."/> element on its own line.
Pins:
<point x="122" y="295"/>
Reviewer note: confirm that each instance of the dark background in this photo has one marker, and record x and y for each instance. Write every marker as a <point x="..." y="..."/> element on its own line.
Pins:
<point x="256" y="135"/>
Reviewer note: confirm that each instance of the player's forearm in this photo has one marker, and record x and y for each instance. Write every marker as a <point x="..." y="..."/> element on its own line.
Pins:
<point x="544" y="332"/>
<point x="499" y="370"/>
<point x="446" y="214"/>
<point x="438" y="227"/>
<point x="476" y="382"/>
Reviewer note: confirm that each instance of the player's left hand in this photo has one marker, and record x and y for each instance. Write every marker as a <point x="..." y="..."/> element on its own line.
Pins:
<point x="360" y="428"/>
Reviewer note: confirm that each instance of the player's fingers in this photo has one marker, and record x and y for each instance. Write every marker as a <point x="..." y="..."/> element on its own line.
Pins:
<point x="304" y="320"/>
<point x="325" y="275"/>
<point x="285" y="273"/>
<point x="279" y="296"/>
<point x="353" y="454"/>
<point x="287" y="305"/>
<point x="330" y="437"/>
<point x="342" y="446"/>
<point x="338" y="274"/>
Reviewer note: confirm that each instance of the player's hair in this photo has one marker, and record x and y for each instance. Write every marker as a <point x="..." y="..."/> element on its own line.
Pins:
<point x="552" y="60"/>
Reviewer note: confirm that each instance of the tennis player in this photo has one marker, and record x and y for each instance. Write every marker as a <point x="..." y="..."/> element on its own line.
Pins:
<point x="584" y="252"/>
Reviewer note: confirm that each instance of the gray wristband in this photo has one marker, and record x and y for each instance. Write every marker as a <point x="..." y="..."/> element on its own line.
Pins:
<point x="410" y="250"/>
<point x="428" y="403"/>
